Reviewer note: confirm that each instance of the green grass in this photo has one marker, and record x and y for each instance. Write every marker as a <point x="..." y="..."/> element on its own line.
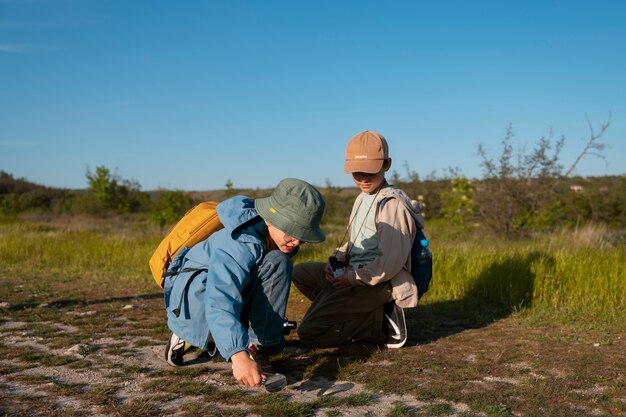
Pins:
<point x="276" y="405"/>
<point x="9" y="369"/>
<point x="45" y="359"/>
<point x="137" y="407"/>
<point x="547" y="313"/>
<point x="565" y="275"/>
<point x="567" y="280"/>
<point x="183" y="372"/>
<point x="401" y="410"/>
<point x="178" y="386"/>
<point x="80" y="364"/>
<point x="437" y="410"/>
<point x="102" y="394"/>
<point x="204" y="410"/>
<point x="354" y="400"/>
<point x="71" y="256"/>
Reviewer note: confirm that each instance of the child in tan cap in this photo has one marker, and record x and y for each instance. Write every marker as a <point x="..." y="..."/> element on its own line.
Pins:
<point x="359" y="295"/>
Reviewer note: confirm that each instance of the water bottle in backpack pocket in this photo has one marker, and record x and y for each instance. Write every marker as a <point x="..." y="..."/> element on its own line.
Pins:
<point x="421" y="263"/>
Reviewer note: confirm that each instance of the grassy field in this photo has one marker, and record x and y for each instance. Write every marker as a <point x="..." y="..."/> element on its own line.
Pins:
<point x="529" y="327"/>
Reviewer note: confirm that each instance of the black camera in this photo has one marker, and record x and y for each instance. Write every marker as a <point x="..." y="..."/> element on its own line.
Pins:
<point x="335" y="263"/>
<point x="288" y="326"/>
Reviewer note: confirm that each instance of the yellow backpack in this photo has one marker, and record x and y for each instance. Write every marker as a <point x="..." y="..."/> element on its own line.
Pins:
<point x="195" y="226"/>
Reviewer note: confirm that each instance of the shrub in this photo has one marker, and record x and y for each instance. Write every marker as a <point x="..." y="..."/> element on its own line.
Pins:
<point x="170" y="207"/>
<point x="526" y="191"/>
<point x="458" y="203"/>
<point x="111" y="192"/>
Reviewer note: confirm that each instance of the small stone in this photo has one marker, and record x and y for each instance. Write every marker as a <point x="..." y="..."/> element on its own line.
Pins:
<point x="5" y="304"/>
<point x="596" y="345"/>
<point x="43" y="305"/>
<point x="77" y="348"/>
<point x="127" y="307"/>
<point x="82" y="313"/>
<point x="337" y="388"/>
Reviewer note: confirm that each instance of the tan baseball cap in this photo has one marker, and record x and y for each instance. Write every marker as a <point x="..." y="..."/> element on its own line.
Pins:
<point x="366" y="152"/>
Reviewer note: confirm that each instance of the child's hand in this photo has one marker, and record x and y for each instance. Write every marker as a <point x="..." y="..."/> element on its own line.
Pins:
<point x="330" y="276"/>
<point x="341" y="281"/>
<point x="245" y="370"/>
<point x="337" y="281"/>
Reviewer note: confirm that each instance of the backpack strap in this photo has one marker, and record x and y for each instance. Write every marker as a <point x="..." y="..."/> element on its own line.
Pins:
<point x="384" y="201"/>
<point x="172" y="273"/>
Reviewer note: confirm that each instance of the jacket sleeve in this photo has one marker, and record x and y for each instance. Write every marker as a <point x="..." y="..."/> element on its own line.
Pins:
<point x="395" y="228"/>
<point x="227" y="277"/>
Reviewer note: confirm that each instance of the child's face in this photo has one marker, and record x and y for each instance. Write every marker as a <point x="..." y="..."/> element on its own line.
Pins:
<point x="371" y="183"/>
<point x="284" y="242"/>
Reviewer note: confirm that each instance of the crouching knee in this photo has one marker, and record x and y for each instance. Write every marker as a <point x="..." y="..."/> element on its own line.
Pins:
<point x="275" y="264"/>
<point x="320" y="335"/>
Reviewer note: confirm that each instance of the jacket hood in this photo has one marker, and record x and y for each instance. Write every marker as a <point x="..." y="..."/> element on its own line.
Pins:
<point x="241" y="222"/>
<point x="235" y="212"/>
<point x="412" y="205"/>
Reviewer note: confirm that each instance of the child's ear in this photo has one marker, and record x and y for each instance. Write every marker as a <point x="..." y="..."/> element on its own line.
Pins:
<point x="387" y="164"/>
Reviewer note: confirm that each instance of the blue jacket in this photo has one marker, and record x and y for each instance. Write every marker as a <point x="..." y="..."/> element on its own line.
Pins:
<point x="209" y="301"/>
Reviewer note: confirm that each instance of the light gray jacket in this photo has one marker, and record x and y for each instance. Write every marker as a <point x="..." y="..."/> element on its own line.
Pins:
<point x="396" y="224"/>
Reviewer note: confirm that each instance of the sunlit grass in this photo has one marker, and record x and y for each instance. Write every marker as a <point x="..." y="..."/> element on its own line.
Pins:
<point x="568" y="278"/>
<point x="55" y="255"/>
<point x="576" y="273"/>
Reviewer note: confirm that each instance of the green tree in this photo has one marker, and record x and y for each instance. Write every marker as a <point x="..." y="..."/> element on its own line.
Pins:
<point x="525" y="190"/>
<point x="114" y="193"/>
<point x="458" y="202"/>
<point x="230" y="192"/>
<point x="170" y="207"/>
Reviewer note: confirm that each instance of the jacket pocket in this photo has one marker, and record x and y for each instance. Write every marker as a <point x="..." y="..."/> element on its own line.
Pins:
<point x="180" y="294"/>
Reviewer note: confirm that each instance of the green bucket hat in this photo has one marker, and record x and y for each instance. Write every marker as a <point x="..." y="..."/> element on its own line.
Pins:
<point x="296" y="208"/>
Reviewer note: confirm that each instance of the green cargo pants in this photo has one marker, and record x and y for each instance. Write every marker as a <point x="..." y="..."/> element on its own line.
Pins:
<point x="337" y="317"/>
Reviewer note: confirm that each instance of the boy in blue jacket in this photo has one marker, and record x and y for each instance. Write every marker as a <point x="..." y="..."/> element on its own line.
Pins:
<point x="233" y="287"/>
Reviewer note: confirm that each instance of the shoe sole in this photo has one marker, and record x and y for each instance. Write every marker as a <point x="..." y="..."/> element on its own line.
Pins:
<point x="395" y="345"/>
<point x="401" y="340"/>
<point x="168" y="352"/>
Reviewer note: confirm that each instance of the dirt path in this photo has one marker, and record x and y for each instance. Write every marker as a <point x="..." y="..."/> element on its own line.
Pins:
<point x="31" y="388"/>
<point x="107" y="359"/>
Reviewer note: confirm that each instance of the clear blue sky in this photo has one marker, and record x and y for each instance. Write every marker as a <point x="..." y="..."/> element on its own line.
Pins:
<point x="190" y="94"/>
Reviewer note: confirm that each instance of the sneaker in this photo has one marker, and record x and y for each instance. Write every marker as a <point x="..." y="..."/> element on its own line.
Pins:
<point x="211" y="348"/>
<point x="175" y="349"/>
<point x="395" y="325"/>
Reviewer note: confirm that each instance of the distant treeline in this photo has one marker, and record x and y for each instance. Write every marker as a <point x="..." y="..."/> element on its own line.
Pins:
<point x="510" y="206"/>
<point x="520" y="192"/>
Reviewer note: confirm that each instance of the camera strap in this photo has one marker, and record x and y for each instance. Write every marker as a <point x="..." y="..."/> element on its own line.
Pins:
<point x="360" y="227"/>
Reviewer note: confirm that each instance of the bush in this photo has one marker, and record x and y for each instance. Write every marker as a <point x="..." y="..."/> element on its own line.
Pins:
<point x="170" y="207"/>
<point x="529" y="190"/>
<point x="111" y="192"/>
<point x="458" y="203"/>
<point x="18" y="195"/>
